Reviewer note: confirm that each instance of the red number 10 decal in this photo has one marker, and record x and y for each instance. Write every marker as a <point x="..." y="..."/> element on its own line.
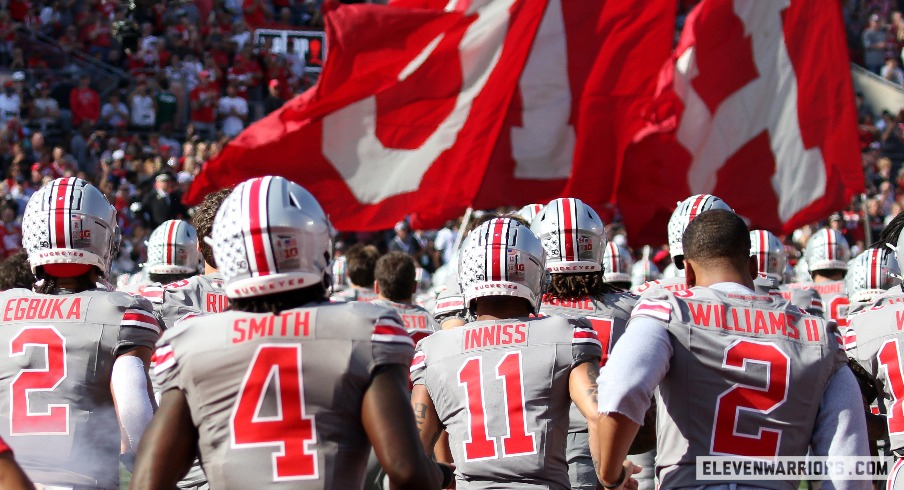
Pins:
<point x="291" y="429"/>
<point x="518" y="441"/>
<point x="54" y="421"/>
<point x="890" y="358"/>
<point x="725" y="438"/>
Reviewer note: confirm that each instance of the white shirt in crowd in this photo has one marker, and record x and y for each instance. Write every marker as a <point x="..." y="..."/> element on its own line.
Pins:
<point x="232" y="123"/>
<point x="47" y="106"/>
<point x="114" y="115"/>
<point x="9" y="106"/>
<point x="142" y="110"/>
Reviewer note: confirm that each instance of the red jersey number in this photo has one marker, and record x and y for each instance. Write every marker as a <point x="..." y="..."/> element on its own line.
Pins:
<point x="290" y="430"/>
<point x="745" y="400"/>
<point x="54" y="420"/>
<point x="478" y="445"/>
<point x="890" y="359"/>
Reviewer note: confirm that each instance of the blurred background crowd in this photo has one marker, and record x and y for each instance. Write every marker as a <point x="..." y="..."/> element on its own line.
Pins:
<point x="141" y="120"/>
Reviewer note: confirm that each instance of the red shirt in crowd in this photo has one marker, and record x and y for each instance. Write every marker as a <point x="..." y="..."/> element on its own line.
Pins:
<point x="85" y="104"/>
<point x="18" y="9"/>
<point x="254" y="13"/>
<point x="204" y="113"/>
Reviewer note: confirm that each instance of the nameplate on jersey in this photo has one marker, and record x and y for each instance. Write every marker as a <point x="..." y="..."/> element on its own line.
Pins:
<point x="215" y="302"/>
<point x="45" y="308"/>
<point x="288" y="324"/>
<point x="414" y="322"/>
<point x="495" y="335"/>
<point x="577" y="304"/>
<point x="777" y="323"/>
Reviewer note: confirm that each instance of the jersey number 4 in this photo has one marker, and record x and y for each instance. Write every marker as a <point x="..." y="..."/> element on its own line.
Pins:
<point x="751" y="399"/>
<point x="51" y="344"/>
<point x="290" y="429"/>
<point x="479" y="446"/>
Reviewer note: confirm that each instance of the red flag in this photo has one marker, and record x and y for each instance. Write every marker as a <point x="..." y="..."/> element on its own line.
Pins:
<point x="756" y="107"/>
<point x="592" y="68"/>
<point x="403" y="119"/>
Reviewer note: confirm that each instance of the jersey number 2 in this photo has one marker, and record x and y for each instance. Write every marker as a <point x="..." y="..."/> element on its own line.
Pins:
<point x="518" y="441"/>
<point x="290" y="429"/>
<point x="55" y="420"/>
<point x="725" y="438"/>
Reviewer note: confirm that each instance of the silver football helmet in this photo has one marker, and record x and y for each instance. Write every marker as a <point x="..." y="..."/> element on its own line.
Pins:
<point x="617" y="263"/>
<point x="827" y="249"/>
<point x="644" y="269"/>
<point x="871" y="273"/>
<point x="529" y="212"/>
<point x="271" y="235"/>
<point x="769" y="253"/>
<point x="686" y="211"/>
<point x="173" y="249"/>
<point x="69" y="221"/>
<point x="573" y="236"/>
<point x="503" y="258"/>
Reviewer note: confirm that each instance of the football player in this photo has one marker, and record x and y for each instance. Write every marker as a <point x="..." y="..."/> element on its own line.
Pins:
<point x="827" y="254"/>
<point x="870" y="275"/>
<point x="502" y="385"/>
<point x="528" y="212"/>
<point x="697" y="346"/>
<point x="873" y="342"/>
<point x="77" y="355"/>
<point x="360" y="260"/>
<point x="645" y="274"/>
<point x="197" y="294"/>
<point x="395" y="283"/>
<point x="771" y="260"/>
<point x="574" y="237"/>
<point x="285" y="390"/>
<point x="686" y="211"/>
<point x="617" y="265"/>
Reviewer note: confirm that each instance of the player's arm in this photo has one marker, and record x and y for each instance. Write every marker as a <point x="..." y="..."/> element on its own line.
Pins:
<point x="11" y="475"/>
<point x="638" y="363"/>
<point x="429" y="426"/>
<point x="386" y="416"/>
<point x="132" y="395"/>
<point x="840" y="428"/>
<point x="167" y="449"/>
<point x="584" y="393"/>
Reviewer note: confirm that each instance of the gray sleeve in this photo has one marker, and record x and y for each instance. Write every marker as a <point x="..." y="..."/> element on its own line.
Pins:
<point x="638" y="363"/>
<point x="840" y="428"/>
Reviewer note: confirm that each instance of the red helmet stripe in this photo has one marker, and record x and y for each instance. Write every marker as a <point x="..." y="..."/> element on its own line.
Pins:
<point x="497" y="248"/>
<point x="875" y="270"/>
<point x="257" y="231"/>
<point x="567" y="230"/>
<point x="763" y="252"/>
<point x="613" y="255"/>
<point x="830" y="245"/>
<point x="695" y="207"/>
<point x="170" y="241"/>
<point x="60" y="204"/>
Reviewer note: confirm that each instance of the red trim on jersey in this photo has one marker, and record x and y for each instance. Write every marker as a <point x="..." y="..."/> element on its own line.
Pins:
<point x="389" y="330"/>
<point x="568" y="230"/>
<point x="60" y="207"/>
<point x="4" y="448"/>
<point x="497" y="247"/>
<point x="695" y="208"/>
<point x="164" y="357"/>
<point x="580" y="334"/>
<point x="139" y="316"/>
<point x="257" y="226"/>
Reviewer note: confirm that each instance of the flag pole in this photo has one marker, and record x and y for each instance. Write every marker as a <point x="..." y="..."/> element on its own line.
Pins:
<point x="867" y="231"/>
<point x="465" y="220"/>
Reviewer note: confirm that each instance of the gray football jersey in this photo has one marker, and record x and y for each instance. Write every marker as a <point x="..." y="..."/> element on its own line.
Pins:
<point x="354" y="294"/>
<point x="201" y="294"/>
<point x="416" y="320"/>
<point x="56" y="408"/>
<point x="277" y="399"/>
<point x="500" y="389"/>
<point x="834" y="298"/>
<point x="874" y="340"/>
<point x="746" y="378"/>
<point x="608" y="316"/>
<point x="806" y="299"/>
<point x="668" y="284"/>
